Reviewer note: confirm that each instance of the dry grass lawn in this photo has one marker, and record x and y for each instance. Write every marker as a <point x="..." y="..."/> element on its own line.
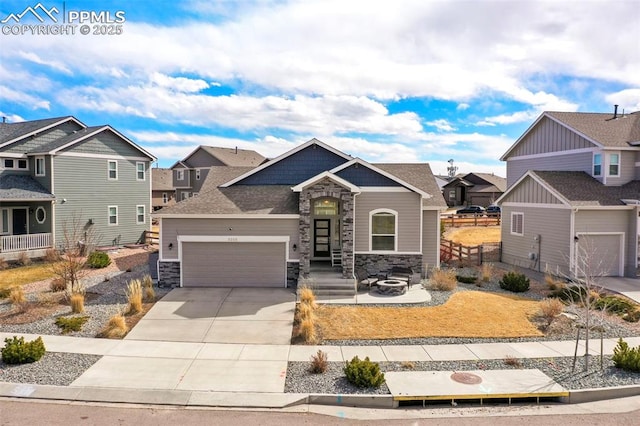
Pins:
<point x="466" y="314"/>
<point x="25" y="274"/>
<point x="474" y="235"/>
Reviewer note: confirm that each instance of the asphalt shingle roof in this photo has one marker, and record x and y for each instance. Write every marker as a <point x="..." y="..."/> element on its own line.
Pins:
<point x="420" y="176"/>
<point x="10" y="131"/>
<point x="161" y="179"/>
<point x="22" y="187"/>
<point x="602" y="127"/>
<point x="235" y="157"/>
<point x="70" y="138"/>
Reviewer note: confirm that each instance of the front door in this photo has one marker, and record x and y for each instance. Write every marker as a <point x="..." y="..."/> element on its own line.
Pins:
<point x="19" y="221"/>
<point x="321" y="237"/>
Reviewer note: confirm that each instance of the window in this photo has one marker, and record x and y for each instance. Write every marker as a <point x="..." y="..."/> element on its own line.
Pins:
<point x="184" y="195"/>
<point x="614" y="164"/>
<point x="452" y="194"/>
<point x="8" y="163"/>
<point x="165" y="198"/>
<point x="325" y="207"/>
<point x="597" y="164"/>
<point x="517" y="223"/>
<point x="140" y="214"/>
<point x="23" y="164"/>
<point x="40" y="170"/>
<point x="140" y="171"/>
<point x="41" y="215"/>
<point x="180" y="174"/>
<point x="383" y="230"/>
<point x="197" y="174"/>
<point x="113" y="215"/>
<point x="113" y="170"/>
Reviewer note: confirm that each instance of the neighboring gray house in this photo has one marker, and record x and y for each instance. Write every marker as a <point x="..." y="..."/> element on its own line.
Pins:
<point x="480" y="189"/>
<point x="574" y="187"/>
<point x="264" y="226"/>
<point x="190" y="173"/>
<point x="162" y="191"/>
<point x="58" y="170"/>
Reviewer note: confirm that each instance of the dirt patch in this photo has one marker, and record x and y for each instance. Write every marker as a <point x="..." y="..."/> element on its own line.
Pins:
<point x="473" y="235"/>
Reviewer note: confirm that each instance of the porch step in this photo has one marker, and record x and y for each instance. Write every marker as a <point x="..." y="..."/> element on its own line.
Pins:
<point x="332" y="286"/>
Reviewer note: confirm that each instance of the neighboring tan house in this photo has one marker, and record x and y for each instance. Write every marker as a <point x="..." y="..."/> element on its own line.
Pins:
<point x="162" y="191"/>
<point x="480" y="189"/>
<point x="263" y="226"/>
<point x="190" y="173"/>
<point x="574" y="192"/>
<point x="58" y="171"/>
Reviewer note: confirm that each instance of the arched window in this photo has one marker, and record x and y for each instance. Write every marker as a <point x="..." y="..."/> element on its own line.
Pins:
<point x="384" y="230"/>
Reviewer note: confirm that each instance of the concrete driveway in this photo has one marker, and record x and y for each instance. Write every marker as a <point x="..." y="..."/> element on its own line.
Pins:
<point x="219" y="340"/>
<point x="220" y="315"/>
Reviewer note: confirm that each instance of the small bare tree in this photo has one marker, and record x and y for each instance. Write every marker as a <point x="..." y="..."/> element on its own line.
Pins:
<point x="77" y="239"/>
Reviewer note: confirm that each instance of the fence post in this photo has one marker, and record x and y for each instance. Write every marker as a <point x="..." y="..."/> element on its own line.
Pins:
<point x="480" y="254"/>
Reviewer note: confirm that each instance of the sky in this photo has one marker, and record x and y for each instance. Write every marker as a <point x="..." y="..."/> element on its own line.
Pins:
<point x="386" y="81"/>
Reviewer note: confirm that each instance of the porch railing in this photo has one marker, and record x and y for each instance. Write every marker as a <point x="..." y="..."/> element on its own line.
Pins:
<point x="13" y="243"/>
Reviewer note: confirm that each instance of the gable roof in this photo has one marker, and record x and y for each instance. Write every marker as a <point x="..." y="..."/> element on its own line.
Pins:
<point x="599" y="128"/>
<point x="325" y="175"/>
<point x="579" y="189"/>
<point x="22" y="188"/>
<point x="498" y="181"/>
<point x="161" y="179"/>
<point x="233" y="157"/>
<point x="13" y="132"/>
<point x="420" y="176"/>
<point x="287" y="154"/>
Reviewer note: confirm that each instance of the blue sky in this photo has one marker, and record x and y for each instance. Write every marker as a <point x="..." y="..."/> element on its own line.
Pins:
<point x="387" y="81"/>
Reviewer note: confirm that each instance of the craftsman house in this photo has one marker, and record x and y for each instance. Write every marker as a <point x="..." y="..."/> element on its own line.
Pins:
<point x="58" y="172"/>
<point x="190" y="173"/>
<point x="265" y="225"/>
<point x="574" y="190"/>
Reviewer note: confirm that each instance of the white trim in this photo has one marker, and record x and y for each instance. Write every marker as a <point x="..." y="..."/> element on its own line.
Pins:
<point x="109" y="216"/>
<point x="328" y="175"/>
<point x="16" y="161"/>
<point x="622" y="254"/>
<point x="285" y="155"/>
<point x="625" y="207"/>
<point x="198" y="174"/>
<point x="382" y="172"/>
<point x="541" y="205"/>
<point x="608" y="164"/>
<point x="572" y="230"/>
<point x="438" y="241"/>
<point x="384" y="189"/>
<point x="144" y="171"/>
<point x="105" y="156"/>
<point x="13" y="155"/>
<point x="160" y="243"/>
<point x="165" y="198"/>
<point x="44" y="165"/>
<point x="109" y="162"/>
<point x="395" y="235"/>
<point x="554" y="153"/>
<point x="511" y="232"/>
<point x="40" y="208"/>
<point x="535" y="177"/>
<point x="41" y="129"/>
<point x="227" y="216"/>
<point x="180" y="174"/>
<point x="593" y="164"/>
<point x="144" y="214"/>
<point x="27" y="200"/>
<point x="388" y="252"/>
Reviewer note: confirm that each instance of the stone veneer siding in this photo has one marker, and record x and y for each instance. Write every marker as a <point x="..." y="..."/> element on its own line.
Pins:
<point x="293" y="272"/>
<point x="169" y="273"/>
<point x="382" y="263"/>
<point x="322" y="189"/>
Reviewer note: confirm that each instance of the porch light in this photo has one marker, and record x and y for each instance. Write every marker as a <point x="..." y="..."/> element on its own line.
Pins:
<point x="295" y="247"/>
<point x="90" y="222"/>
<point x="170" y="246"/>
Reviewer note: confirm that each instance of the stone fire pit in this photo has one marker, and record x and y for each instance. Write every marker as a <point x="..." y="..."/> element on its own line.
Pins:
<point x="392" y="287"/>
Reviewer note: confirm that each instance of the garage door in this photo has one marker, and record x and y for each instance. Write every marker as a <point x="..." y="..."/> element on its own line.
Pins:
<point x="233" y="264"/>
<point x="602" y="252"/>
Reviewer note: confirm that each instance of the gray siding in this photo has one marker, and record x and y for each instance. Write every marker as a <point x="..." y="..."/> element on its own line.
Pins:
<point x="409" y="208"/>
<point x="197" y="183"/>
<point x="552" y="225"/>
<point x="627" y="169"/>
<point x="549" y="136"/>
<point x="530" y="191"/>
<point x="430" y="237"/>
<point x="171" y="228"/>
<point x="631" y="247"/>
<point x="106" y="143"/>
<point x="83" y="183"/>
<point x="201" y="158"/>
<point x="45" y="180"/>
<point x="580" y="162"/>
<point x="184" y="183"/>
<point x="34" y="144"/>
<point x="33" y="226"/>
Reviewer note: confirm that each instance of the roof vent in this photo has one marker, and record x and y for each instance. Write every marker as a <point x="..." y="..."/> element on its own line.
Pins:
<point x="615" y="111"/>
<point x="4" y="119"/>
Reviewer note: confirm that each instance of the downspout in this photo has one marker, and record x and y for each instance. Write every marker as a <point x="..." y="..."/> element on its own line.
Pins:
<point x="572" y="249"/>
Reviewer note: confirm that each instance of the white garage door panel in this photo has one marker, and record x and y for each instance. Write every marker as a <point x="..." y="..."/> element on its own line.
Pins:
<point x="603" y="252"/>
<point x="249" y="264"/>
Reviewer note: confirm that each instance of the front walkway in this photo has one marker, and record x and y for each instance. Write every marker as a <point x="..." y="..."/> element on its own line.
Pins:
<point x="629" y="287"/>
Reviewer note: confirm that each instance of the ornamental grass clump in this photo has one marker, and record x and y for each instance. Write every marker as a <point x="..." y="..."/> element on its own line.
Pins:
<point x="486" y="272"/>
<point x="550" y="309"/>
<point x="134" y="296"/>
<point x="116" y="327"/>
<point x="307" y="296"/>
<point x="17" y="297"/>
<point x="147" y="286"/>
<point x="443" y="280"/>
<point x="319" y="362"/>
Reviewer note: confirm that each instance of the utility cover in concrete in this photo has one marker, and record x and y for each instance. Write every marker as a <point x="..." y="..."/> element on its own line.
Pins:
<point x="439" y="385"/>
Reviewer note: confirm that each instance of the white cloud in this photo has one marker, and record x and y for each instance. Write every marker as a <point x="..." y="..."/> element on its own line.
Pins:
<point x="23" y="98"/>
<point x="11" y="118"/>
<point x="441" y="124"/>
<point x="57" y="65"/>
<point x="627" y="100"/>
<point x="462" y="106"/>
<point x="179" y="84"/>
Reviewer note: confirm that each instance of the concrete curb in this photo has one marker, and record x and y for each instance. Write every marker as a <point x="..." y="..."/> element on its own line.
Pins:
<point x="598" y="394"/>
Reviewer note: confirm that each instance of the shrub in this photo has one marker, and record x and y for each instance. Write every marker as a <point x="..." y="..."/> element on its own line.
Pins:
<point x="17" y="297"/>
<point x="98" y="259"/>
<point x="307" y="296"/>
<point x="69" y="324"/>
<point x="570" y="294"/>
<point x="614" y="304"/>
<point x="408" y="365"/>
<point x="76" y="300"/>
<point x="147" y="281"/>
<point x="134" y="296"/>
<point x="3" y="264"/>
<point x="515" y="282"/>
<point x="470" y="279"/>
<point x="513" y="361"/>
<point x="51" y="255"/>
<point x="17" y="351"/>
<point x="5" y="292"/>
<point x="443" y="280"/>
<point x="486" y="272"/>
<point x="632" y="317"/>
<point x="319" y="362"/>
<point x="24" y="259"/>
<point x="307" y="330"/>
<point x="551" y="308"/>
<point x="363" y="373"/>
<point x="303" y="312"/>
<point x="57" y="284"/>
<point x="116" y="327"/>
<point x="625" y="357"/>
